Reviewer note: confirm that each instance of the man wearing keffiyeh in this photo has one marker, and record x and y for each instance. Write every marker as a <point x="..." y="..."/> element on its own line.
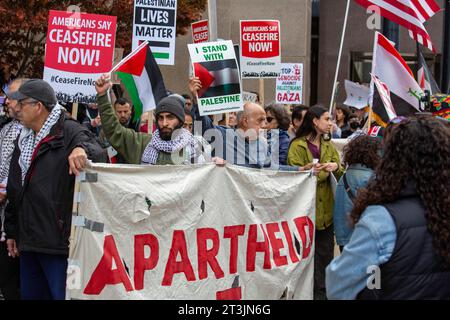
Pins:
<point x="169" y="144"/>
<point x="9" y="267"/>
<point x="49" y="150"/>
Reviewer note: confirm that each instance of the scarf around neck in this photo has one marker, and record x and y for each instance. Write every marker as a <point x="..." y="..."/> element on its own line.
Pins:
<point x="184" y="140"/>
<point x="28" y="140"/>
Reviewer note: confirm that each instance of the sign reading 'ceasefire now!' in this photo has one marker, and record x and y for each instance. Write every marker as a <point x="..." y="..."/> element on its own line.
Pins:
<point x="216" y="66"/>
<point x="155" y="21"/>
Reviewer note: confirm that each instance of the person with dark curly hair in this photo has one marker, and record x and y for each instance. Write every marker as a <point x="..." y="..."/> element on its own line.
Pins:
<point x="342" y="114"/>
<point x="277" y="124"/>
<point x="361" y="156"/>
<point x="312" y="143"/>
<point x="402" y="221"/>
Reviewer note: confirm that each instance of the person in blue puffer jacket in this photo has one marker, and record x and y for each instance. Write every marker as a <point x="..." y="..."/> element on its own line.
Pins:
<point x="361" y="156"/>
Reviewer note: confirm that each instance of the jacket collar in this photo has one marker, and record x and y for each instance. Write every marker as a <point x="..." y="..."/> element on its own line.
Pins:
<point x="324" y="146"/>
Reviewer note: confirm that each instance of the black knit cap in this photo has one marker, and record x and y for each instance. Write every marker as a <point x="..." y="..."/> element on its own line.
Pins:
<point x="171" y="104"/>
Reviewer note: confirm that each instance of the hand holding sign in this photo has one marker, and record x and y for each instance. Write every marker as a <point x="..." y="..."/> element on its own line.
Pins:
<point x="194" y="86"/>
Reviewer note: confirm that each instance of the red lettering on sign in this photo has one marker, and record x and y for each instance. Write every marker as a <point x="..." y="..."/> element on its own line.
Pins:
<point x="233" y="233"/>
<point x="104" y="275"/>
<point x="287" y="233"/>
<point x="206" y="256"/>
<point x="277" y="244"/>
<point x="173" y="266"/>
<point x="254" y="246"/>
<point x="301" y="223"/>
<point x="140" y="262"/>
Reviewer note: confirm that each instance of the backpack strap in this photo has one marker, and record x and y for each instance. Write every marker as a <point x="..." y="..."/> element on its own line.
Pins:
<point x="347" y="188"/>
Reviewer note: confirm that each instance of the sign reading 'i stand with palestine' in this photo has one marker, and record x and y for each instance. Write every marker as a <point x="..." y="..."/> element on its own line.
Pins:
<point x="155" y="21"/>
<point x="216" y="66"/>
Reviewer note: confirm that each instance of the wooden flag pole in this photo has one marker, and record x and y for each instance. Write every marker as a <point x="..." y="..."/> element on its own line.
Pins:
<point x="150" y="122"/>
<point x="75" y="110"/>
<point x="261" y="92"/>
<point x="339" y="56"/>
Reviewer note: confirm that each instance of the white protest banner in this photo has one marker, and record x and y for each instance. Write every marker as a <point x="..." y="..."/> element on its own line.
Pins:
<point x="193" y="232"/>
<point x="249" y="97"/>
<point x="200" y="31"/>
<point x="339" y="145"/>
<point x="79" y="49"/>
<point x="156" y="21"/>
<point x="290" y="84"/>
<point x="216" y="66"/>
<point x="260" y="48"/>
<point x="357" y="95"/>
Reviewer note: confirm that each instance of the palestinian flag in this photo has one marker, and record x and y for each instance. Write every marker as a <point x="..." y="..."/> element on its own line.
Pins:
<point x="218" y="78"/>
<point x="142" y="78"/>
<point x="391" y="69"/>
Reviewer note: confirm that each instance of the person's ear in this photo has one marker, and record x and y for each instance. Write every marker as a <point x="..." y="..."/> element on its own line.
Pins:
<point x="315" y="121"/>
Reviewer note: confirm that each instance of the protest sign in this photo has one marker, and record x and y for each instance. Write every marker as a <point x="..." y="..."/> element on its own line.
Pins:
<point x="260" y="48"/>
<point x="200" y="32"/>
<point x="216" y="66"/>
<point x="357" y="95"/>
<point x="155" y="21"/>
<point x="249" y="97"/>
<point x="290" y="84"/>
<point x="79" y="48"/>
<point x="233" y="239"/>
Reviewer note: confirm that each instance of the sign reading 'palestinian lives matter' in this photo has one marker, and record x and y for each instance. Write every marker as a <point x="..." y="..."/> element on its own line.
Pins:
<point x="155" y="21"/>
<point x="216" y="66"/>
<point x="79" y="49"/>
<point x="290" y="83"/>
<point x="260" y="48"/>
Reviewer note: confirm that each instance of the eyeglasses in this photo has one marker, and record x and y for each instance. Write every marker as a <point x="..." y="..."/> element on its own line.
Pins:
<point x="21" y="103"/>
<point x="269" y="119"/>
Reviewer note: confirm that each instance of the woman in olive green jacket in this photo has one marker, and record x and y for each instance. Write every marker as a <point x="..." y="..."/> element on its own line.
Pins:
<point x="310" y="144"/>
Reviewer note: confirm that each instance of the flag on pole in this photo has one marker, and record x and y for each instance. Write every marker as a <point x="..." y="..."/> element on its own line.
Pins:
<point x="391" y="69"/>
<point x="382" y="108"/>
<point x="142" y="78"/>
<point x="410" y="14"/>
<point x="424" y="76"/>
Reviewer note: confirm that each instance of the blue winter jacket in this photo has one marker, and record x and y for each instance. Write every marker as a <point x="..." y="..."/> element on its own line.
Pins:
<point x="357" y="177"/>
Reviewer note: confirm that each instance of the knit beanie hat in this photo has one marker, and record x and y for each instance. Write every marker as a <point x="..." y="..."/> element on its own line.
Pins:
<point x="173" y="105"/>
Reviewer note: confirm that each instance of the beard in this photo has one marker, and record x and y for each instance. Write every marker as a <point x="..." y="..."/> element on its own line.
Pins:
<point x="166" y="134"/>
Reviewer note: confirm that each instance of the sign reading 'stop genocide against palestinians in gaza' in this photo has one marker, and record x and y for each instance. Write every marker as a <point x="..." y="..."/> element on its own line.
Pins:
<point x="243" y="234"/>
<point x="216" y="66"/>
<point x="290" y="83"/>
<point x="155" y="21"/>
<point x="80" y="47"/>
<point x="260" y="48"/>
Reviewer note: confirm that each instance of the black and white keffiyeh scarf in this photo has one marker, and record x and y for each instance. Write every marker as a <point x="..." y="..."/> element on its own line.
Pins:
<point x="8" y="135"/>
<point x="185" y="140"/>
<point x="28" y="141"/>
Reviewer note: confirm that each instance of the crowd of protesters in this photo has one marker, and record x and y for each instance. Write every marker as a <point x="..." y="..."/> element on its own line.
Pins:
<point x="391" y="197"/>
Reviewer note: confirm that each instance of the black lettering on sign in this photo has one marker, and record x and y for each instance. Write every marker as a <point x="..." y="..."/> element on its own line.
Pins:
<point x="154" y="17"/>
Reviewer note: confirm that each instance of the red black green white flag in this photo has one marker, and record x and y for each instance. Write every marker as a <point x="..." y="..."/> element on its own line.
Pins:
<point x="142" y="78"/>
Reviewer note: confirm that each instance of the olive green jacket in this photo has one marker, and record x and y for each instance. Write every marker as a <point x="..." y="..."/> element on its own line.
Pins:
<point x="129" y="143"/>
<point x="299" y="155"/>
